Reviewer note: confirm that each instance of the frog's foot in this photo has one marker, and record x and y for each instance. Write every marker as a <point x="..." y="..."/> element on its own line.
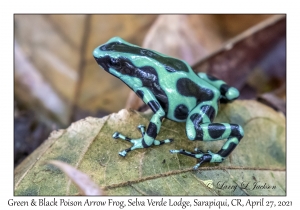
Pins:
<point x="198" y="153"/>
<point x="140" y="142"/>
<point x="137" y="143"/>
<point x="200" y="156"/>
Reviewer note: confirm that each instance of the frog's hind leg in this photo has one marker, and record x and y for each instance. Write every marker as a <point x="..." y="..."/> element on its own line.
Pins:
<point x="201" y="156"/>
<point x="199" y="126"/>
<point x="227" y="93"/>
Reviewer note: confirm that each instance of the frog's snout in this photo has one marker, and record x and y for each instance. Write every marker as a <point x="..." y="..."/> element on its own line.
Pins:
<point x="102" y="61"/>
<point x="96" y="53"/>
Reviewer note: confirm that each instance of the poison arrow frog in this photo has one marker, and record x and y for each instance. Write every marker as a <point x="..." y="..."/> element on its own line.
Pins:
<point x="172" y="90"/>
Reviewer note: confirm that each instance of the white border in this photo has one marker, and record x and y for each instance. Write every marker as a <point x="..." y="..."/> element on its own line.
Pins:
<point x="154" y="6"/>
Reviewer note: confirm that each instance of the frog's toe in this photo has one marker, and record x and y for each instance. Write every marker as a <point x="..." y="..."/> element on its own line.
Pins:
<point x="142" y="129"/>
<point x="173" y="151"/>
<point x="116" y="135"/>
<point x="166" y="141"/>
<point x="196" y="166"/>
<point x="123" y="153"/>
<point x="141" y="126"/>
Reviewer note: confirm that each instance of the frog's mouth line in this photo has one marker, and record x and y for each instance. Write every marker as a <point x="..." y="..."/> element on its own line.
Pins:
<point x="103" y="61"/>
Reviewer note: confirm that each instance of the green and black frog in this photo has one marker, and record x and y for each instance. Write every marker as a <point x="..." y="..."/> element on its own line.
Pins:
<point x="172" y="90"/>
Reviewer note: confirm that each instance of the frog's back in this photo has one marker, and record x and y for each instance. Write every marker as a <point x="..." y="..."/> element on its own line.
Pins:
<point x="174" y="84"/>
<point x="172" y="81"/>
<point x="183" y="91"/>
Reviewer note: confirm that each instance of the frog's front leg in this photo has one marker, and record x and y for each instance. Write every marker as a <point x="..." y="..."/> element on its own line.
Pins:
<point x="148" y="137"/>
<point x="199" y="126"/>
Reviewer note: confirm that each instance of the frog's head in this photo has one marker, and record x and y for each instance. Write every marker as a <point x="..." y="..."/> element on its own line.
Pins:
<point x="116" y="57"/>
<point x="133" y="64"/>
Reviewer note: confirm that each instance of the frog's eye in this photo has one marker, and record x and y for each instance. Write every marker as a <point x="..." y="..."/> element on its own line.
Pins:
<point x="115" y="63"/>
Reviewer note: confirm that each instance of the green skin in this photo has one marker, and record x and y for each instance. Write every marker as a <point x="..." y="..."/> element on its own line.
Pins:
<point x="172" y="90"/>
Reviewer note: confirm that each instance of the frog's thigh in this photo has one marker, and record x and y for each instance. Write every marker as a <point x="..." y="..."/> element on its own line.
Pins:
<point x="204" y="112"/>
<point x="200" y="127"/>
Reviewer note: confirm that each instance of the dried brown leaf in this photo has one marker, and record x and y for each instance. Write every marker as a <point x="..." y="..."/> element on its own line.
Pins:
<point x="84" y="183"/>
<point x="233" y="62"/>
